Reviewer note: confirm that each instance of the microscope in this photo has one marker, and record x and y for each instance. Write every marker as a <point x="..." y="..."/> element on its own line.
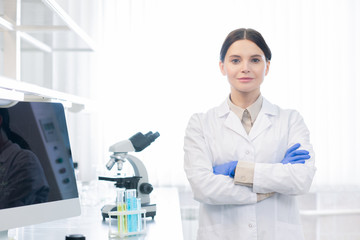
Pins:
<point x="120" y="150"/>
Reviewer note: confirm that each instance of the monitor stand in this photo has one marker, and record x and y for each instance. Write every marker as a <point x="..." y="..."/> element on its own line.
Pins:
<point x="4" y="235"/>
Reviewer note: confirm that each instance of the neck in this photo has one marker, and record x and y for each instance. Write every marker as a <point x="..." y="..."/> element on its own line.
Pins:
<point x="244" y="100"/>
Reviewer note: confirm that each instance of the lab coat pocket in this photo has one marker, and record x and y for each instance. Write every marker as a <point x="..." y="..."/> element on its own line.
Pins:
<point x="211" y="215"/>
<point x="286" y="231"/>
<point x="223" y="222"/>
<point x="223" y="232"/>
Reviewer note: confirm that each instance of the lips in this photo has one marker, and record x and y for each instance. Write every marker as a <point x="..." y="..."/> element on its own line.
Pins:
<point x="245" y="79"/>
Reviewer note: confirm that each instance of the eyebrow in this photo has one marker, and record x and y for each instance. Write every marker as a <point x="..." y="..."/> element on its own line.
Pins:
<point x="257" y="55"/>
<point x="237" y="56"/>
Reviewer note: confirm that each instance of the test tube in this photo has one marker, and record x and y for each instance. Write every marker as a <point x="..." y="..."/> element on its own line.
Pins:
<point x="121" y="206"/>
<point x="138" y="203"/>
<point x="134" y="217"/>
<point x="131" y="221"/>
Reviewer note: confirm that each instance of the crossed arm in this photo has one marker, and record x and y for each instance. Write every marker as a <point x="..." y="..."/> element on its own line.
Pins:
<point x="244" y="171"/>
<point x="244" y="182"/>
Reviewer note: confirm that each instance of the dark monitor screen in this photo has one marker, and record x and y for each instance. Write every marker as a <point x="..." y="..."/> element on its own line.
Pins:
<point x="35" y="156"/>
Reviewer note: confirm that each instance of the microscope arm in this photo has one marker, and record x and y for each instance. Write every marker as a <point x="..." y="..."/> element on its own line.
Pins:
<point x="140" y="170"/>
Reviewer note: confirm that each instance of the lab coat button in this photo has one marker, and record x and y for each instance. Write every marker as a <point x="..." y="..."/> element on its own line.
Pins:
<point x="247" y="152"/>
<point x="250" y="225"/>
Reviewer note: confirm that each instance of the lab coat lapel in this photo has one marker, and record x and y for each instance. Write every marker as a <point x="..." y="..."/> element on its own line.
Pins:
<point x="263" y="120"/>
<point x="233" y="122"/>
<point x="261" y="124"/>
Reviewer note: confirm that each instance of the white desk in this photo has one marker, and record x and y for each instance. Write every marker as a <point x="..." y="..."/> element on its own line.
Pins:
<point x="166" y="225"/>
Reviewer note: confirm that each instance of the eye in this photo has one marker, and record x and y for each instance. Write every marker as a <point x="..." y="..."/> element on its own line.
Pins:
<point x="255" y="60"/>
<point x="235" y="61"/>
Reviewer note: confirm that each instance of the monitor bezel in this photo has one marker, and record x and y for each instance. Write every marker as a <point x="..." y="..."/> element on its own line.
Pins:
<point x="38" y="213"/>
<point x="27" y="215"/>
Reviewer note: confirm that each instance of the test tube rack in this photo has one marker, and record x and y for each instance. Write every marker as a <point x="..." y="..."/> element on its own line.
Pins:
<point x="122" y="233"/>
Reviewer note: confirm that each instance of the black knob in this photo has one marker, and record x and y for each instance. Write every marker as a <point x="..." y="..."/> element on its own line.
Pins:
<point x="146" y="188"/>
<point x="75" y="237"/>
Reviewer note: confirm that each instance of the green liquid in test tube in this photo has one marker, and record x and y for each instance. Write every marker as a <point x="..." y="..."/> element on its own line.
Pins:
<point x="121" y="206"/>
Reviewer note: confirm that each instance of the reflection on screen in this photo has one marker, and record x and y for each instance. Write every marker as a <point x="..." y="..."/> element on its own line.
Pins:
<point x="35" y="156"/>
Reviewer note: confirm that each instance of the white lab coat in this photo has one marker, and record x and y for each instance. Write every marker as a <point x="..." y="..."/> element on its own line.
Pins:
<point x="229" y="211"/>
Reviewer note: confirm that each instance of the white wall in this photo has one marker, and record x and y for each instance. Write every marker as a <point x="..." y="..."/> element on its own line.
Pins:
<point x="159" y="65"/>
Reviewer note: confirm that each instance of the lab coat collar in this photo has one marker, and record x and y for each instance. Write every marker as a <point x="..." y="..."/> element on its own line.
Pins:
<point x="267" y="108"/>
<point x="263" y="120"/>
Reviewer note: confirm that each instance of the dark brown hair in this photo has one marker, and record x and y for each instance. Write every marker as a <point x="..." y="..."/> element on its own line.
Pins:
<point x="248" y="34"/>
<point x="5" y="125"/>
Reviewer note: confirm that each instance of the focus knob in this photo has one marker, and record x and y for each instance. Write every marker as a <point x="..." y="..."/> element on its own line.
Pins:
<point x="146" y="188"/>
<point x="75" y="237"/>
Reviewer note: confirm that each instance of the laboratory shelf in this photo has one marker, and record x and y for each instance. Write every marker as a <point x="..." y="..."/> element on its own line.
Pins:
<point x="13" y="90"/>
<point x="44" y="25"/>
<point x="31" y="32"/>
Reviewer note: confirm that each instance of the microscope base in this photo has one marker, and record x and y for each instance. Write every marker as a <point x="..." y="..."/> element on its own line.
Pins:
<point x="150" y="210"/>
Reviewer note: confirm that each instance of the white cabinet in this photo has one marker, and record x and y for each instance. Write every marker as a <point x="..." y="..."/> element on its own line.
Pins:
<point x="35" y="35"/>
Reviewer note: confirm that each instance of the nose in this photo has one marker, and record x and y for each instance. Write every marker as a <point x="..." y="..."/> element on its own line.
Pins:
<point x="244" y="67"/>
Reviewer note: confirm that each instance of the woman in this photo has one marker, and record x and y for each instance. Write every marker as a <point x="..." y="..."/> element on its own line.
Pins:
<point x="243" y="158"/>
<point x="22" y="179"/>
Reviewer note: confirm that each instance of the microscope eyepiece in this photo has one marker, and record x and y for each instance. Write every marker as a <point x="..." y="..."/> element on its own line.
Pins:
<point x="152" y="136"/>
<point x="141" y="141"/>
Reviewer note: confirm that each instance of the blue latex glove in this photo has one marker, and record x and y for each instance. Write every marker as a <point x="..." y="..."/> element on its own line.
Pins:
<point x="227" y="169"/>
<point x="295" y="156"/>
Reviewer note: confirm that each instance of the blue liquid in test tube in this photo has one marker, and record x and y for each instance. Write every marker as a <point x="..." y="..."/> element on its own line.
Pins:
<point x="131" y="205"/>
<point x="138" y="203"/>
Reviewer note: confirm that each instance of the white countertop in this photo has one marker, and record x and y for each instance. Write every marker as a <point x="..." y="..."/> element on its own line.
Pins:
<point x="166" y="224"/>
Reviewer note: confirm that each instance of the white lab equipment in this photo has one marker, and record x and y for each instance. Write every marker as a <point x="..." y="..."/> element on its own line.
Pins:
<point x="139" y="182"/>
<point x="123" y="230"/>
<point x="129" y="214"/>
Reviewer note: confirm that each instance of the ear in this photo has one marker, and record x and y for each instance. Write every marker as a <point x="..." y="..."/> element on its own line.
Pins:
<point x="267" y="67"/>
<point x="222" y="68"/>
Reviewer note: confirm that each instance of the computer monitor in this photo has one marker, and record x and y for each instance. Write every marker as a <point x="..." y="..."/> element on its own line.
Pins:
<point x="37" y="180"/>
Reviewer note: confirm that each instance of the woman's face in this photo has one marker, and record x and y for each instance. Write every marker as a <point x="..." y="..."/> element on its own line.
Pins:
<point x="245" y="66"/>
